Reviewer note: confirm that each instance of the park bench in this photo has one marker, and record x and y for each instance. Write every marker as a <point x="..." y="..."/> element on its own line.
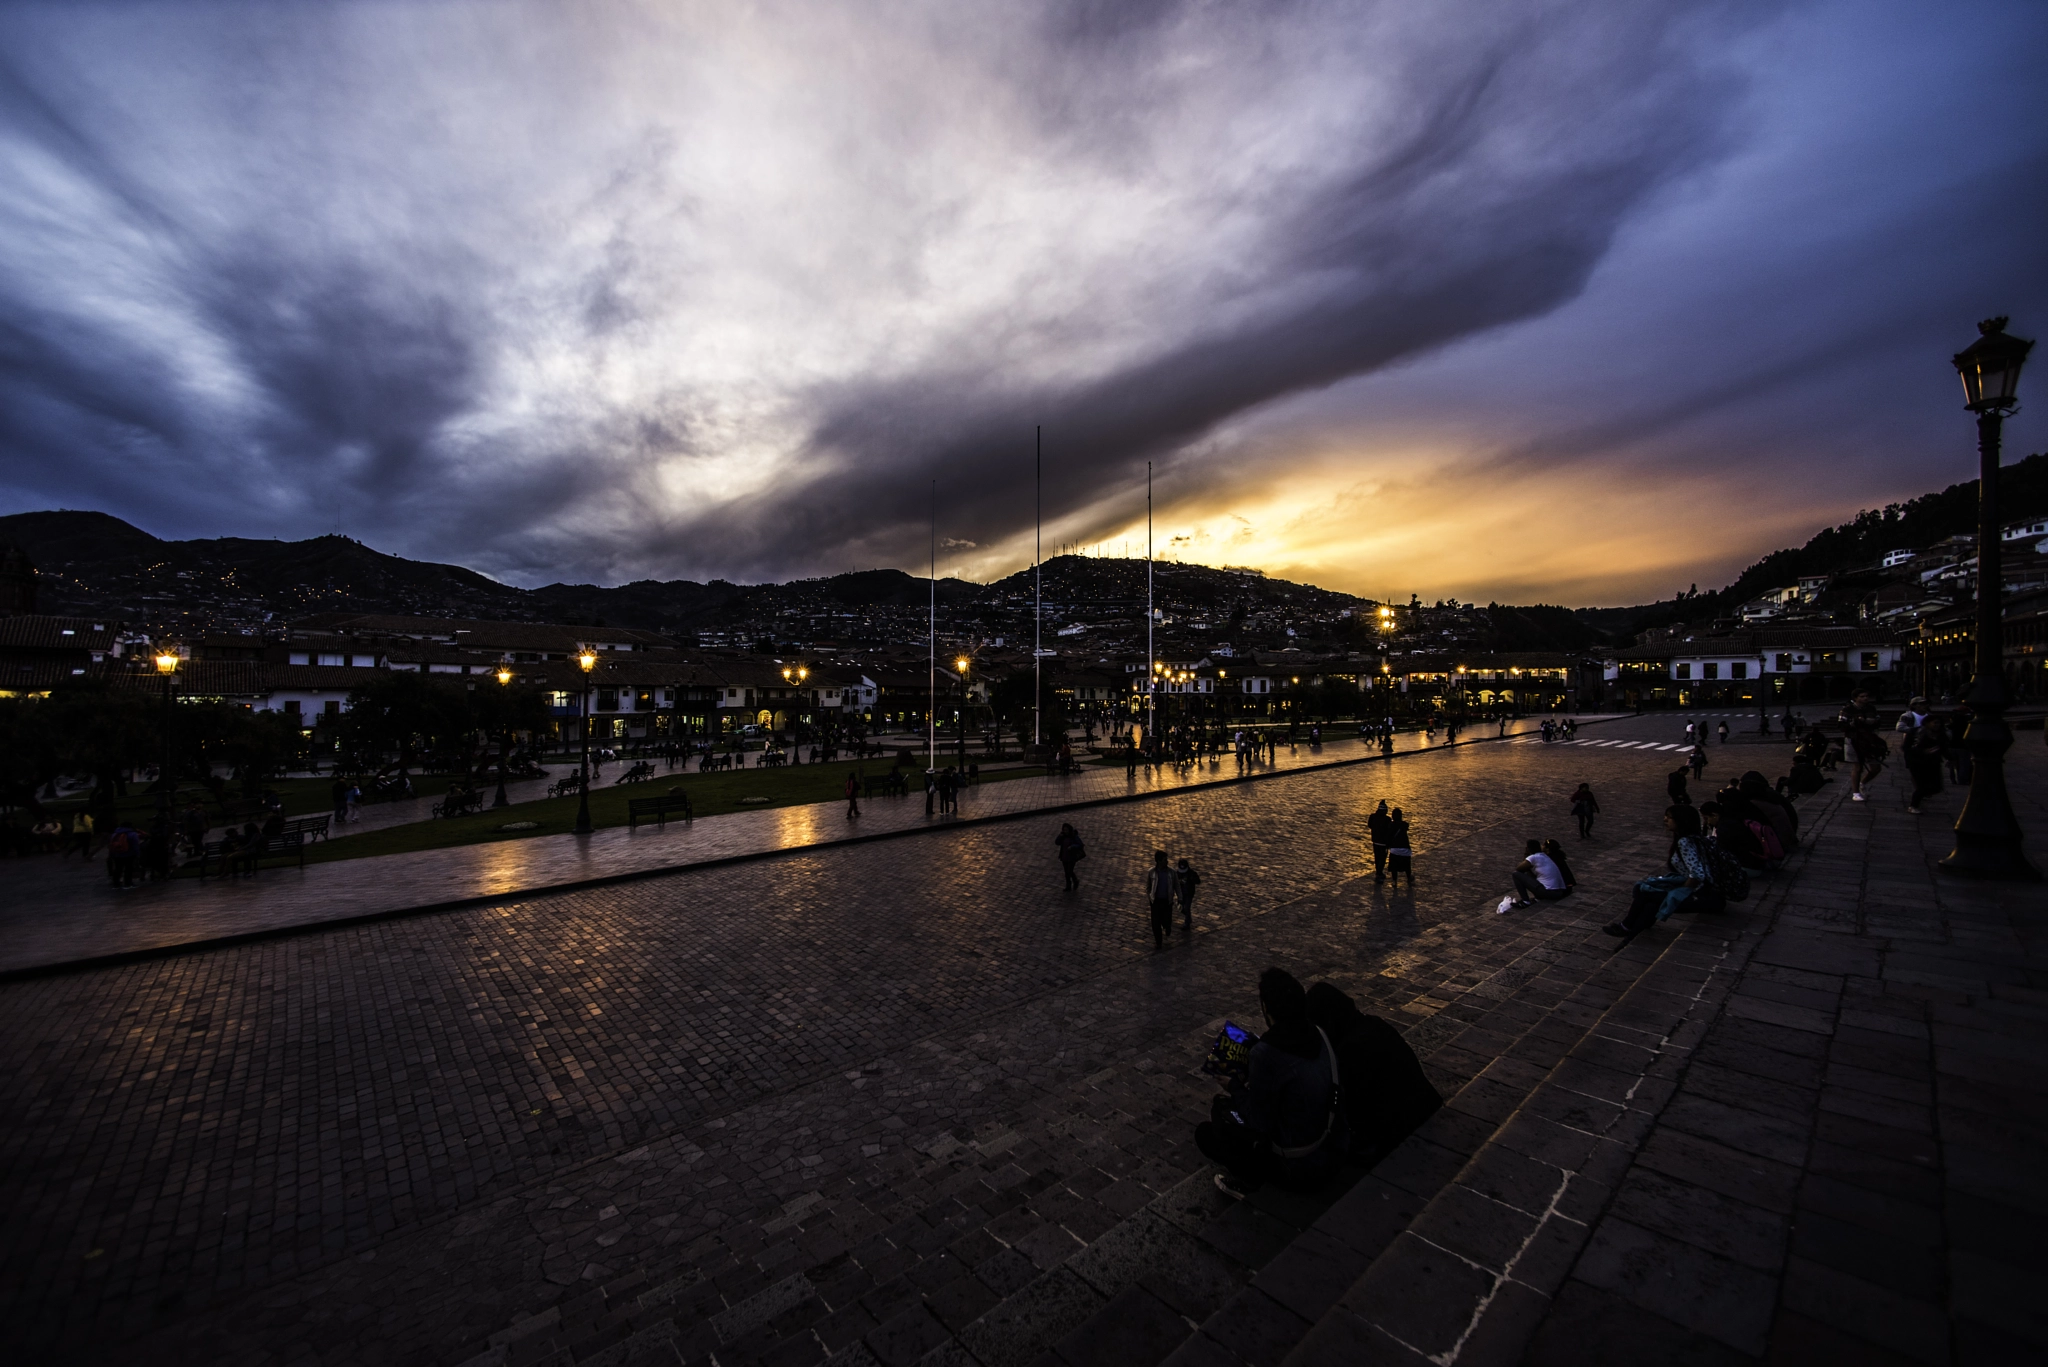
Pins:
<point x="891" y="784"/>
<point x="217" y="854"/>
<point x="642" y="770"/>
<point x="311" y="827"/>
<point x="657" y="809"/>
<point x="459" y="802"/>
<point x="564" y="786"/>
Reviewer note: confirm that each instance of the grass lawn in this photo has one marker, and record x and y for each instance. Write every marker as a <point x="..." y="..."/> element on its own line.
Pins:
<point x="302" y="797"/>
<point x="710" y="795"/>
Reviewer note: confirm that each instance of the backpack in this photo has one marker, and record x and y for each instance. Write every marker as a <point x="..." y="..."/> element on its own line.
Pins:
<point x="1774" y="850"/>
<point x="1728" y="874"/>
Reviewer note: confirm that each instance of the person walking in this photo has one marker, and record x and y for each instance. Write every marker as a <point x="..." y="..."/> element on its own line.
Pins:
<point x="81" y="833"/>
<point x="852" y="796"/>
<point x="1401" y="854"/>
<point x="1072" y="852"/>
<point x="1185" y="881"/>
<point x="1923" y="747"/>
<point x="1698" y="760"/>
<point x="1584" y="808"/>
<point x="1380" y="827"/>
<point x="1722" y="731"/>
<point x="1159" y="891"/>
<point x="1865" y="748"/>
<point x="1674" y="787"/>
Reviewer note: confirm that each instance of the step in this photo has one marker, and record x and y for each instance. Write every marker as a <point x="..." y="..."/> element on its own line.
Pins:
<point x="1469" y="1277"/>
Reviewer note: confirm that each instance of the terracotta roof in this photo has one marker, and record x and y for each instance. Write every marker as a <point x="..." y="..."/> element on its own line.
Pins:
<point x="57" y="633"/>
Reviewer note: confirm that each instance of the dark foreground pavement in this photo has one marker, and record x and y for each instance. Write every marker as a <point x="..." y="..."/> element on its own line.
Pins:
<point x="907" y="1102"/>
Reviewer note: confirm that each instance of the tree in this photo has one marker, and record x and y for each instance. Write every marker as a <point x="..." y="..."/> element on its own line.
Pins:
<point x="402" y="714"/>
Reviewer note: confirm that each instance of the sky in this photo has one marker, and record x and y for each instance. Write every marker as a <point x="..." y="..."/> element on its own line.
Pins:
<point x="1484" y="299"/>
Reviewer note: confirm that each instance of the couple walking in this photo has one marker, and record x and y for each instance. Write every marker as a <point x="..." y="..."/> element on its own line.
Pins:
<point x="1165" y="885"/>
<point x="1163" y="888"/>
<point x="1390" y="850"/>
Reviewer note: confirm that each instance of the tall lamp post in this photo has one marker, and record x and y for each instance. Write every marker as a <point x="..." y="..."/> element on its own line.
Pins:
<point x="960" y="727"/>
<point x="1987" y="834"/>
<point x="795" y="679"/>
<point x="504" y="743"/>
<point x="167" y="666"/>
<point x="587" y="661"/>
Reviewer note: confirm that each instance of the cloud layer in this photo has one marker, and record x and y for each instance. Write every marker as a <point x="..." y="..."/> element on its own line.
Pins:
<point x="621" y="290"/>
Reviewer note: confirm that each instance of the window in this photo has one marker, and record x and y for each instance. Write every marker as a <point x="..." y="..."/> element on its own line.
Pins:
<point x="333" y="660"/>
<point x="1870" y="659"/>
<point x="1711" y="670"/>
<point x="363" y="661"/>
<point x="291" y="705"/>
<point x="1684" y="671"/>
<point x="1784" y="663"/>
<point x="332" y="707"/>
<point x="1739" y="669"/>
<point x="558" y="699"/>
<point x="300" y="657"/>
<point x="607" y="699"/>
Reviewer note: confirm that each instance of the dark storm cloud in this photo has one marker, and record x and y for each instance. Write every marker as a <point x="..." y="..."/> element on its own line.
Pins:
<point x="1438" y="233"/>
<point x="660" y="292"/>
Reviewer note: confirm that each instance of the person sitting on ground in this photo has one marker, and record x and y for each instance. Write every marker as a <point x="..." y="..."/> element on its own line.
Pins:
<point x="1282" y="1123"/>
<point x="1556" y="853"/>
<point x="1775" y="810"/>
<point x="1537" y="878"/>
<point x="1385" y="1093"/>
<point x="1691" y="869"/>
<point x="1743" y="828"/>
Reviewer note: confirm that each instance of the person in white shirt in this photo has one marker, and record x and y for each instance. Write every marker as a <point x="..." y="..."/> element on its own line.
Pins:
<point x="1537" y="878"/>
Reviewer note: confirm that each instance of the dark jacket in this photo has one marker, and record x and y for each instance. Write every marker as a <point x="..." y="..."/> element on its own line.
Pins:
<point x="1385" y="1092"/>
<point x="1381" y="827"/>
<point x="1287" y="1095"/>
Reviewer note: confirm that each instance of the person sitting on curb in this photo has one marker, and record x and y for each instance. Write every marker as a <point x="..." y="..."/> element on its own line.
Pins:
<point x="1537" y="878"/>
<point x="1691" y="872"/>
<point x="1385" y="1093"/>
<point x="1556" y="853"/>
<point x="1282" y="1123"/>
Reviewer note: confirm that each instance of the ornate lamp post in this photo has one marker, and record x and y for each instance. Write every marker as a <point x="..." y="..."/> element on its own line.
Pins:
<point x="166" y="666"/>
<point x="1987" y="834"/>
<point x="960" y="720"/>
<point x="504" y="744"/>
<point x="794" y="676"/>
<point x="587" y="660"/>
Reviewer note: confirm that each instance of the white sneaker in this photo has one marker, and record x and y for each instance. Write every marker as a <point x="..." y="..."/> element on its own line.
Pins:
<point x="1856" y="797"/>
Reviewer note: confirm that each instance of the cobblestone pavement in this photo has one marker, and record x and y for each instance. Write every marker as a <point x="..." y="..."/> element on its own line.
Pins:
<point x="61" y="912"/>
<point x="383" y="1142"/>
<point x="1848" y="1169"/>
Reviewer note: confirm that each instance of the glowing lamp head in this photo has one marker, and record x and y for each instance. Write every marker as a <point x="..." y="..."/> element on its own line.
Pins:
<point x="961" y="664"/>
<point x="1990" y="367"/>
<point x="587" y="658"/>
<point x="504" y="675"/>
<point x="166" y="662"/>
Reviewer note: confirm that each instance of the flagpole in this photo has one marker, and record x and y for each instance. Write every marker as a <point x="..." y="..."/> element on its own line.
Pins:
<point x="1037" y="581"/>
<point x="1151" y="666"/>
<point x="931" y="676"/>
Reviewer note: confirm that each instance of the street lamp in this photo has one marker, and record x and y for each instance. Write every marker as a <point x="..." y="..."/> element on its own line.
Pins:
<point x="166" y="665"/>
<point x="504" y="743"/>
<point x="1987" y="834"/>
<point x="960" y="728"/>
<point x="587" y="660"/>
